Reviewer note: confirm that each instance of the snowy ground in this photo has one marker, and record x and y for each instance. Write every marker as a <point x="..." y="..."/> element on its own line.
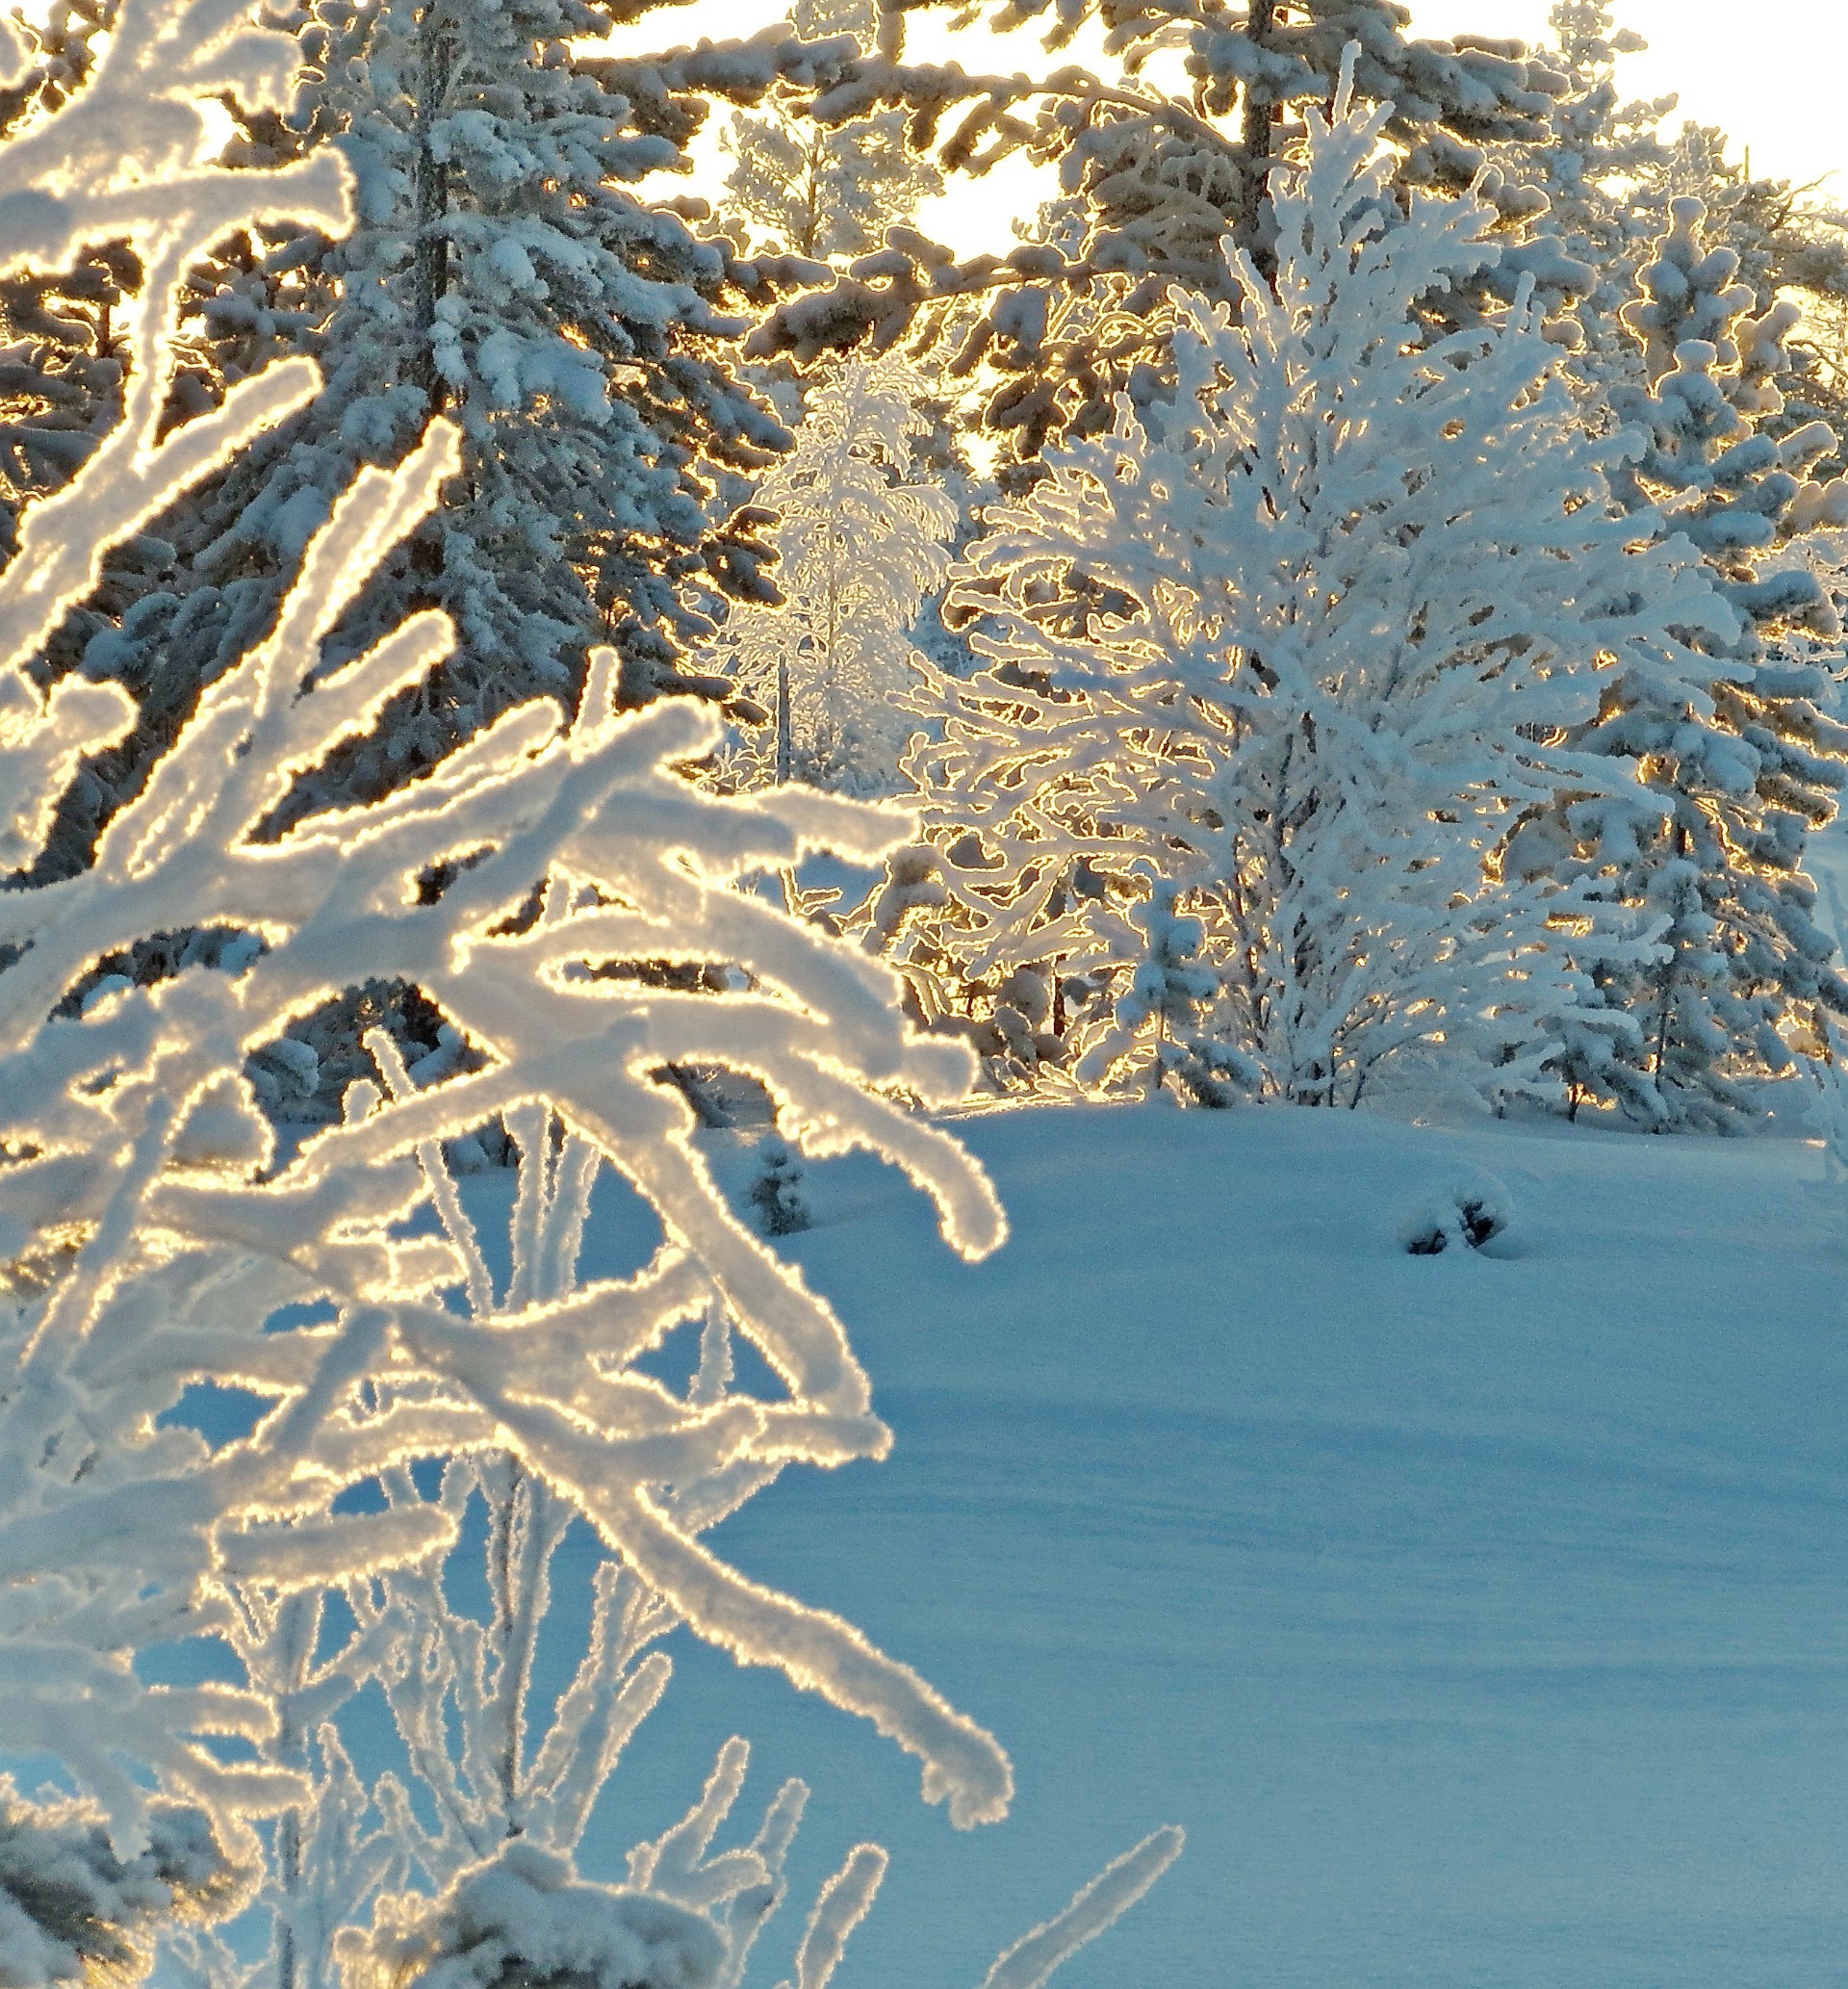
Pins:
<point x="1484" y="1619"/>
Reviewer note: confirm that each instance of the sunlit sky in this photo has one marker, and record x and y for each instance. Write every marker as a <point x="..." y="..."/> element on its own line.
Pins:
<point x="1773" y="73"/>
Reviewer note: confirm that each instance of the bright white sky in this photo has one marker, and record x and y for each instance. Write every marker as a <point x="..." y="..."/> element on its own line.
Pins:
<point x="1774" y="74"/>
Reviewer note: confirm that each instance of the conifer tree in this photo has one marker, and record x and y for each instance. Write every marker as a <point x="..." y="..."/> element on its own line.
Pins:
<point x="503" y="273"/>
<point x="1608" y="170"/>
<point x="1161" y="175"/>
<point x="861" y="541"/>
<point x="810" y="189"/>
<point x="1739" y="766"/>
<point x="1601" y="167"/>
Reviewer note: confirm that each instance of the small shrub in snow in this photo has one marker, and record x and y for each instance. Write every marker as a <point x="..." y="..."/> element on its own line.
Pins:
<point x="521" y="1919"/>
<point x="776" y="1194"/>
<point x="1468" y="1213"/>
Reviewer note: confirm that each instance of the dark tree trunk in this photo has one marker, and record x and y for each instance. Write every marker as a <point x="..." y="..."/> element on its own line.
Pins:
<point x="1256" y="137"/>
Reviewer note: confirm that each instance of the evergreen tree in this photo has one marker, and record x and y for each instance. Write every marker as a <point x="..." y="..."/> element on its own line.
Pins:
<point x="860" y="539"/>
<point x="1269" y="683"/>
<point x="1609" y="172"/>
<point x="1601" y="168"/>
<point x="1161" y="177"/>
<point x="804" y="189"/>
<point x="503" y="273"/>
<point x="1740" y="765"/>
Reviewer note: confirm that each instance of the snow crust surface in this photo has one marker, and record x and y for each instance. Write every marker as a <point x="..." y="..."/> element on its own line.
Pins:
<point x="1483" y="1617"/>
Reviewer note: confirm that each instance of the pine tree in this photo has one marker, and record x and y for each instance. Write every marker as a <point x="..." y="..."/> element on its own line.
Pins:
<point x="501" y="273"/>
<point x="829" y="193"/>
<point x="1609" y="171"/>
<point x="1740" y="765"/>
<point x="1288" y="666"/>
<point x="1601" y="167"/>
<point x="1161" y="175"/>
<point x="861" y="538"/>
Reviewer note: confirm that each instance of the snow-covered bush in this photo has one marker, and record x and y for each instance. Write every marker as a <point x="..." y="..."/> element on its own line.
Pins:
<point x="1274" y="674"/>
<point x="1471" y="1211"/>
<point x="776" y="1193"/>
<point x="519" y="1921"/>
<point x="72" y="1911"/>
<point x="489" y="1767"/>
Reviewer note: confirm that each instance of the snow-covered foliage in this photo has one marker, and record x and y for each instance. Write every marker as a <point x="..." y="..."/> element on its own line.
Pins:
<point x="521" y="1917"/>
<point x="1164" y="148"/>
<point x="503" y="273"/>
<point x="1601" y="167"/>
<point x="689" y="1918"/>
<point x="73" y="1911"/>
<point x="807" y="190"/>
<point x="1743" y="764"/>
<point x="1609" y="171"/>
<point x="1271" y="684"/>
<point x="862" y="540"/>
<point x="154" y="1232"/>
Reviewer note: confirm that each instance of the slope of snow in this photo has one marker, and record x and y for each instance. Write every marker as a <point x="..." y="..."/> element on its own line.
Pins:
<point x="1483" y="1618"/>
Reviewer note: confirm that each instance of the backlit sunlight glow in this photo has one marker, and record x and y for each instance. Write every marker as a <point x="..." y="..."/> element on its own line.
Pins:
<point x="1787" y="113"/>
<point x="578" y="800"/>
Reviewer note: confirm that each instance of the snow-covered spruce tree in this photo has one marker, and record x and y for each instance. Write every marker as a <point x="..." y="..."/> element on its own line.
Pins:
<point x="1167" y="150"/>
<point x="1603" y="168"/>
<point x="805" y="189"/>
<point x="1270" y="686"/>
<point x="861" y="541"/>
<point x="503" y="273"/>
<point x="1740" y="765"/>
<point x="1792" y="249"/>
<point x="1608" y="173"/>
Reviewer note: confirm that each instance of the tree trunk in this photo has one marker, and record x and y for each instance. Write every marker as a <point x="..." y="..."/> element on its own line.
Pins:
<point x="432" y="198"/>
<point x="1260" y="108"/>
<point x="1670" y="976"/>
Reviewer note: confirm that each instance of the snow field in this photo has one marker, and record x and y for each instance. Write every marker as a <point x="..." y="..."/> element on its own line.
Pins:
<point x="1483" y="1618"/>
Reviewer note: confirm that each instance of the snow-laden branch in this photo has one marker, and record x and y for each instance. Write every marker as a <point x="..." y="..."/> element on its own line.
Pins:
<point x="152" y="1232"/>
